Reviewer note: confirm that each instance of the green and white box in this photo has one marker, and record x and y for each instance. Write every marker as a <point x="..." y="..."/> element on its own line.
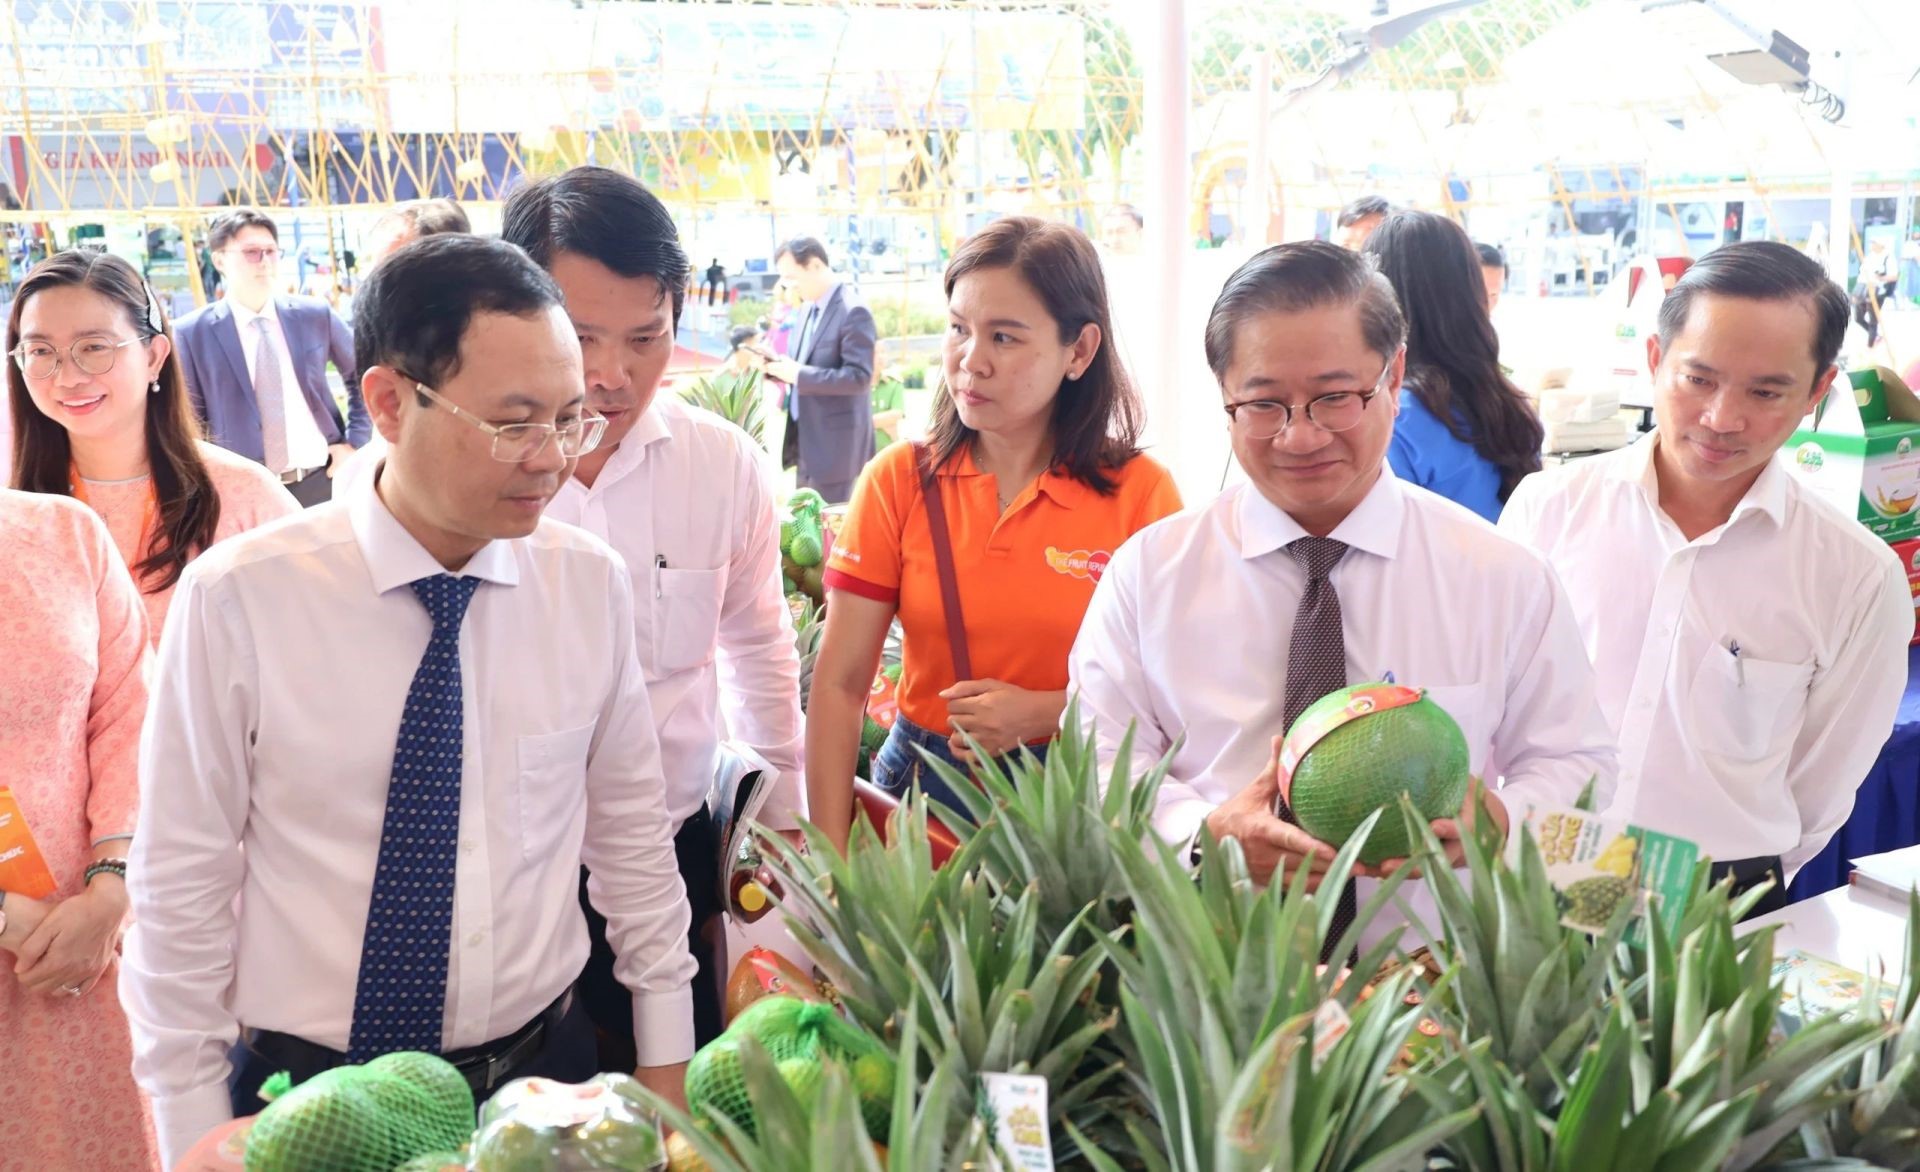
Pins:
<point x="1859" y="451"/>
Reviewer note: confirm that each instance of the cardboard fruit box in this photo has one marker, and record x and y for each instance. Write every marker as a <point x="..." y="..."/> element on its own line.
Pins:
<point x="1858" y="451"/>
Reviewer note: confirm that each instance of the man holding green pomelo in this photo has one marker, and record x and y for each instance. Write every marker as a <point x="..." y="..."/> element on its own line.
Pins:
<point x="1332" y="572"/>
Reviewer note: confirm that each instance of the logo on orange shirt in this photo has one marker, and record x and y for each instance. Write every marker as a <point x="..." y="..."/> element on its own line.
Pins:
<point x="1080" y="563"/>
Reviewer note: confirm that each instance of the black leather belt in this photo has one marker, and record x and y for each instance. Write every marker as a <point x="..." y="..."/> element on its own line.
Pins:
<point x="485" y="1066"/>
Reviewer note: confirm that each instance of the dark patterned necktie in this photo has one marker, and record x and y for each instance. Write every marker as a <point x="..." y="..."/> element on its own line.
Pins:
<point x="1316" y="665"/>
<point x="400" y="1001"/>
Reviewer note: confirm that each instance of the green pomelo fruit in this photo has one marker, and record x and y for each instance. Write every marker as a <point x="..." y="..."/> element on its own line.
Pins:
<point x="1367" y="763"/>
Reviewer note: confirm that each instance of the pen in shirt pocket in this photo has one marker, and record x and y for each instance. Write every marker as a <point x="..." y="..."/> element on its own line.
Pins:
<point x="659" y="572"/>
<point x="1739" y="668"/>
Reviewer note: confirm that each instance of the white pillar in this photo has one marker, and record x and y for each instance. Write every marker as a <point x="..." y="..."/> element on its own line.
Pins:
<point x="1161" y="45"/>
<point x="1256" y="206"/>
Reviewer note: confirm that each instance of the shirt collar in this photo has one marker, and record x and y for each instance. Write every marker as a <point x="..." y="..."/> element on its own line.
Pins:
<point x="1060" y="488"/>
<point x="1373" y="525"/>
<point x="395" y="558"/>
<point x="1767" y="495"/>
<point x="650" y="429"/>
<point x="243" y="317"/>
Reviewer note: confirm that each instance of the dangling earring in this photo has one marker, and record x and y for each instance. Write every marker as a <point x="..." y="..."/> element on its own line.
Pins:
<point x="155" y="388"/>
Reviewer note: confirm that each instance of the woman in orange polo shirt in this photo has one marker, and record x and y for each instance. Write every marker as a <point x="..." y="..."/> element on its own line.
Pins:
<point x="1034" y="449"/>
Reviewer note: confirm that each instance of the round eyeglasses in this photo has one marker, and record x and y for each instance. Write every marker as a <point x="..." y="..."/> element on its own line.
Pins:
<point x="516" y="443"/>
<point x="1262" y="419"/>
<point x="38" y="360"/>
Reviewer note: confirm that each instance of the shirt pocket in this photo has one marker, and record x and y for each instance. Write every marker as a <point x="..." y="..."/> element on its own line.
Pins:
<point x="1467" y="704"/>
<point x="686" y="618"/>
<point x="552" y="788"/>
<point x="1746" y="709"/>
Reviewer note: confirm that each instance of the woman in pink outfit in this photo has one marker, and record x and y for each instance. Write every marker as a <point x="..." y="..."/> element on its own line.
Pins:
<point x="100" y="413"/>
<point x="73" y="644"/>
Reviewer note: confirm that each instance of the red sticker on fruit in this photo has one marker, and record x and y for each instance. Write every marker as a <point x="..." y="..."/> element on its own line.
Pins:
<point x="1316" y="722"/>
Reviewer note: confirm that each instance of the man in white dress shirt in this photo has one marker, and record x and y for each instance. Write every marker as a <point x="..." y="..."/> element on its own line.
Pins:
<point x="404" y="835"/>
<point x="1750" y="640"/>
<point x="687" y="499"/>
<point x="1326" y="570"/>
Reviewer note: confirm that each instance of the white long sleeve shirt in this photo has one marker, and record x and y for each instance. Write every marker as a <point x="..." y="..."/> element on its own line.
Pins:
<point x="264" y="766"/>
<point x="687" y="501"/>
<point x="306" y="446"/>
<point x="1752" y="754"/>
<point x="1189" y="629"/>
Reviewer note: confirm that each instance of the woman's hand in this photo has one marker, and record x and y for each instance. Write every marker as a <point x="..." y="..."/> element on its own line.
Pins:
<point x="23" y="916"/>
<point x="999" y="716"/>
<point x="73" y="945"/>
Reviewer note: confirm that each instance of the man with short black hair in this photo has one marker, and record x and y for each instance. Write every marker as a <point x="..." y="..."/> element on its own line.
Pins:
<point x="341" y="864"/>
<point x="1751" y="640"/>
<point x="1358" y="219"/>
<point x="829" y="375"/>
<point x="687" y="500"/>
<point x="256" y="364"/>
<point x="1493" y="271"/>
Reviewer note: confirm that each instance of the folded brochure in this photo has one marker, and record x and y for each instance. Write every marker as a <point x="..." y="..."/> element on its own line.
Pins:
<point x="1594" y="863"/>
<point x="23" y="870"/>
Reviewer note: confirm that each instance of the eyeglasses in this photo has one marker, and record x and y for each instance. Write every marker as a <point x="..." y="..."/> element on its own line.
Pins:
<point x="38" y="360"/>
<point x="1339" y="411"/>
<point x="516" y="443"/>
<point x="255" y="255"/>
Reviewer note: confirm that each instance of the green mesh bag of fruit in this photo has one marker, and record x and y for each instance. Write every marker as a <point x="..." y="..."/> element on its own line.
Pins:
<point x="798" y="1035"/>
<point x="368" y="1118"/>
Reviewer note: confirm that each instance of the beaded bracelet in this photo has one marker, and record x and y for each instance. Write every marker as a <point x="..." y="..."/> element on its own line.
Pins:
<point x="107" y="867"/>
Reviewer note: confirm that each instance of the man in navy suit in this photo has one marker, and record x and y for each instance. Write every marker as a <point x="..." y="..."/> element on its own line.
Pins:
<point x="256" y="364"/>
<point x="829" y="375"/>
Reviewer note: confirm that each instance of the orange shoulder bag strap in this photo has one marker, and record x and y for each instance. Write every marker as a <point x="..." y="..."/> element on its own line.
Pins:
<point x="943" y="563"/>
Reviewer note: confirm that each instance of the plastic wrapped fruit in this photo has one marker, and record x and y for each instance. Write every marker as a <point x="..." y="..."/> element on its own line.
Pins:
<point x="538" y="1125"/>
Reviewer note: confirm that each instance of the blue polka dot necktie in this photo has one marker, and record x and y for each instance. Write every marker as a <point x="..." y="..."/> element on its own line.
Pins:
<point x="400" y="1000"/>
<point x="1316" y="665"/>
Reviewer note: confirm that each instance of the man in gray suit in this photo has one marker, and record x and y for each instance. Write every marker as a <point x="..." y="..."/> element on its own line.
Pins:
<point x="256" y="364"/>
<point x="829" y="375"/>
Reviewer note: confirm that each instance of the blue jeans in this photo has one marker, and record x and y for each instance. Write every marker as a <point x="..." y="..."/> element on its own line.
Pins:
<point x="896" y="766"/>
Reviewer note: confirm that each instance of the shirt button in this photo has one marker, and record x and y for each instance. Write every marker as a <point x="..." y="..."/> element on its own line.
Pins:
<point x="474" y="940"/>
<point x="466" y="847"/>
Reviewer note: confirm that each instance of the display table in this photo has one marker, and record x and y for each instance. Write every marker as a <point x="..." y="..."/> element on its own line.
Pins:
<point x="1886" y="812"/>
<point x="1849" y="926"/>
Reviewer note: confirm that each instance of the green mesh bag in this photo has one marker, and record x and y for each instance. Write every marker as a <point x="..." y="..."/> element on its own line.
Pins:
<point x="435" y="1162"/>
<point x="873" y="1078"/>
<point x="447" y="1121"/>
<point x="716" y="1084"/>
<point x="370" y="1117"/>
<point x="326" y="1124"/>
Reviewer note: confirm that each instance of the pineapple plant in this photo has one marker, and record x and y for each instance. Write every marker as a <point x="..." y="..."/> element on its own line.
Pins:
<point x="1053" y="824"/>
<point x="732" y="395"/>
<point x="1878" y="1121"/>
<point x="955" y="957"/>
<point x="1209" y="975"/>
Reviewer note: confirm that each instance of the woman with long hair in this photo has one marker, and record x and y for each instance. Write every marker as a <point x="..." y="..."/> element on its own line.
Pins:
<point x="1034" y="465"/>
<point x="1465" y="430"/>
<point x="100" y="413"/>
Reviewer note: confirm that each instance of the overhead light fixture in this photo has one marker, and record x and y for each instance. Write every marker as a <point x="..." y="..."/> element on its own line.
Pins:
<point x="1747" y="52"/>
